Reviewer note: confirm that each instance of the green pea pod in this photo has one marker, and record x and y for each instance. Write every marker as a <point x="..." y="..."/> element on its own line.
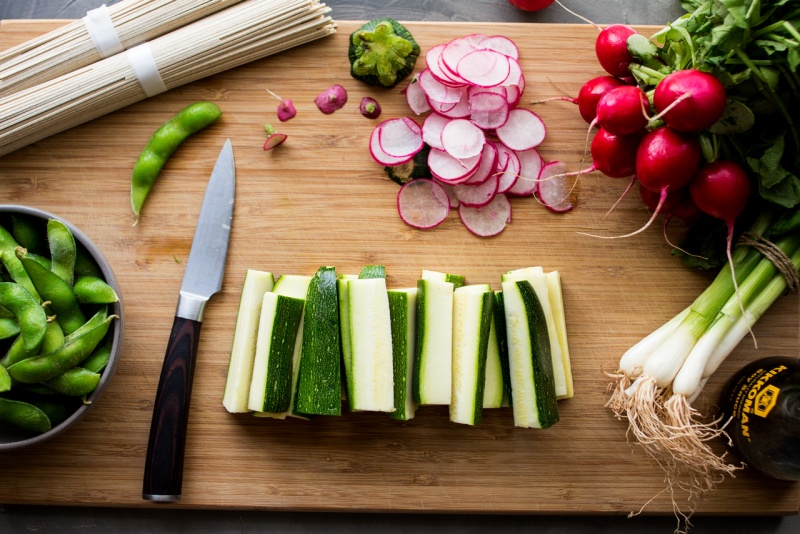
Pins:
<point x="5" y="380"/>
<point x="93" y="290"/>
<point x="5" y="313"/>
<point x="29" y="233"/>
<point x="93" y="322"/>
<point x="98" y="360"/>
<point x="56" y="291"/>
<point x="12" y="264"/>
<point x="17" y="352"/>
<point x="75" y="382"/>
<point x="9" y="327"/>
<point x="53" y="338"/>
<point x="24" y="415"/>
<point x="47" y="366"/>
<point x="43" y="260"/>
<point x="163" y="143"/>
<point x="30" y="315"/>
<point x="85" y="264"/>
<point x="62" y="250"/>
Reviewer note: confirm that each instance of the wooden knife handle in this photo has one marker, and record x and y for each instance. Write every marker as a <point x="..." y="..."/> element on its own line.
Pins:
<point x="163" y="470"/>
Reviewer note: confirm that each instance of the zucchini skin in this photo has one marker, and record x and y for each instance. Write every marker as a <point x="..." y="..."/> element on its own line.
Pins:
<point x="486" y="323"/>
<point x="502" y="341"/>
<point x="544" y="382"/>
<point x="320" y="380"/>
<point x="277" y="396"/>
<point x="420" y="341"/>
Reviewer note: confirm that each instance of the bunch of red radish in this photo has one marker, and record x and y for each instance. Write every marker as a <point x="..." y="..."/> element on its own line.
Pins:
<point x="482" y="146"/>
<point x="661" y="151"/>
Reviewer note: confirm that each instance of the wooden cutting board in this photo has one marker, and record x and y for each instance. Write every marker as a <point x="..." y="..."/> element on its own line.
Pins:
<point x="321" y="200"/>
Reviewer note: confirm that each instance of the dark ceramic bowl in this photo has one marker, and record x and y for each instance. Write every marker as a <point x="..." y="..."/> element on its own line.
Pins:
<point x="13" y="438"/>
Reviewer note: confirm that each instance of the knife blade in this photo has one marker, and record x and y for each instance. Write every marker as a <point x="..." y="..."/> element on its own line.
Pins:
<point x="163" y="473"/>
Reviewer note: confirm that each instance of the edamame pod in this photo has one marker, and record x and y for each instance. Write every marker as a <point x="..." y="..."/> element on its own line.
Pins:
<point x="98" y="360"/>
<point x="85" y="265"/>
<point x="17" y="352"/>
<point x="29" y="233"/>
<point x="24" y="415"/>
<point x="47" y="366"/>
<point x="9" y="327"/>
<point x="5" y="380"/>
<point x="57" y="407"/>
<point x="53" y="338"/>
<point x="62" y="250"/>
<point x="12" y="264"/>
<point x="56" y="291"/>
<point x="93" y="322"/>
<point x="163" y="143"/>
<point x="31" y="317"/>
<point x="75" y="382"/>
<point x="93" y="290"/>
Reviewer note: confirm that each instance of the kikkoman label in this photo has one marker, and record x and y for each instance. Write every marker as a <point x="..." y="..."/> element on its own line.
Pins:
<point x="755" y="396"/>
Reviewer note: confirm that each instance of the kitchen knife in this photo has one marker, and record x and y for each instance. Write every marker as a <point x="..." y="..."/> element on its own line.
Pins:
<point x="163" y="471"/>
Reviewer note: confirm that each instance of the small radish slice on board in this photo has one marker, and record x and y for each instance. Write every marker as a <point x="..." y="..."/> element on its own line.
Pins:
<point x="449" y="169"/>
<point x="487" y="166"/>
<point x="456" y="49"/>
<point x="379" y="155"/>
<point x="476" y="196"/>
<point x="438" y="91"/>
<point x="502" y="44"/>
<point x="451" y="193"/>
<point x="513" y="95"/>
<point x="458" y="110"/>
<point x="432" y="130"/>
<point x="508" y="165"/>
<point x="422" y="203"/>
<point x="485" y="68"/>
<point x="487" y="220"/>
<point x="530" y="166"/>
<point x="553" y="187"/>
<point x="515" y="76"/>
<point x="488" y="110"/>
<point x="433" y="59"/>
<point x="274" y="140"/>
<point x="416" y="98"/>
<point x="523" y="130"/>
<point x="400" y="137"/>
<point x="462" y="139"/>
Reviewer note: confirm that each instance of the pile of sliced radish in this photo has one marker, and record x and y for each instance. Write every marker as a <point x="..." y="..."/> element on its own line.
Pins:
<point x="483" y="147"/>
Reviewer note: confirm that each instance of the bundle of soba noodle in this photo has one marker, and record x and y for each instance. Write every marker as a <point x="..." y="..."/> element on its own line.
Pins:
<point x="103" y="32"/>
<point x="247" y="31"/>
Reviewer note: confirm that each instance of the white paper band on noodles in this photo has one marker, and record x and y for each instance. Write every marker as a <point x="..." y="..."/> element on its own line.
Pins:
<point x="144" y="67"/>
<point x="102" y="32"/>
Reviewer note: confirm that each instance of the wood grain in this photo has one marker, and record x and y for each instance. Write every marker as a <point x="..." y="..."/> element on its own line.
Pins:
<point x="320" y="200"/>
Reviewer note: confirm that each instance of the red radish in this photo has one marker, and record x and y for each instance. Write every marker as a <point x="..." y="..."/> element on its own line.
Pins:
<point x="400" y="137"/>
<point x="488" y="220"/>
<point x="552" y="189"/>
<point x="690" y="100"/>
<point x="449" y="169"/>
<point x="274" y="140"/>
<point x="591" y="92"/>
<point x="331" y="99"/>
<point x="487" y="165"/>
<point x="422" y="203"/>
<point x="523" y="130"/>
<point x="286" y="109"/>
<point x="530" y="166"/>
<point x="370" y="107"/>
<point x="531" y="5"/>
<point x="416" y="98"/>
<point x="485" y="68"/>
<point x="614" y="155"/>
<point x="721" y="189"/>
<point x="623" y="110"/>
<point x="432" y="130"/>
<point x="488" y="110"/>
<point x="676" y="202"/>
<point x="462" y="139"/>
<point x="667" y="159"/>
<point x="612" y="49"/>
<point x="476" y="196"/>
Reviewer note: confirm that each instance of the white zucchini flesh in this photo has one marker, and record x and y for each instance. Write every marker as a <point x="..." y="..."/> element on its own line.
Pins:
<point x="455" y="279"/>
<point x="560" y="322"/>
<point x="434" y="344"/>
<point x="273" y="364"/>
<point x="243" y="351"/>
<point x="403" y="311"/>
<point x="538" y="280"/>
<point x="493" y="390"/>
<point x="370" y="334"/>
<point x="472" y="318"/>
<point x="296" y="286"/>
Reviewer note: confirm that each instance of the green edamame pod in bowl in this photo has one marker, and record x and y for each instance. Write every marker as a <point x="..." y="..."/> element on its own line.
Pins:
<point x="31" y="317"/>
<point x="163" y="143"/>
<point x="62" y="250"/>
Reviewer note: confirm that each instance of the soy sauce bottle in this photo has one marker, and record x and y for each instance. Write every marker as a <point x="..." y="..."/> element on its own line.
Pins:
<point x="764" y="400"/>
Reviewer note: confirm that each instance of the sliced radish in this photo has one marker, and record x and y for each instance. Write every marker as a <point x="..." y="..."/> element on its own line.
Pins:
<point x="416" y="98"/>
<point x="523" y="130"/>
<point x="422" y="203"/>
<point x="530" y="164"/>
<point x="456" y="49"/>
<point x="487" y="220"/>
<point x="436" y="90"/>
<point x="488" y="110"/>
<point x="502" y="44"/>
<point x="432" y="130"/>
<point x="487" y="166"/>
<point x="476" y="196"/>
<point x="451" y="193"/>
<point x="513" y="95"/>
<point x="515" y="76"/>
<point x="459" y="110"/>
<point x="434" y="61"/>
<point x="507" y="167"/>
<point x="553" y="188"/>
<point x="462" y="139"/>
<point x="400" y="137"/>
<point x="379" y="155"/>
<point x="274" y="140"/>
<point x="485" y="68"/>
<point x="449" y="169"/>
